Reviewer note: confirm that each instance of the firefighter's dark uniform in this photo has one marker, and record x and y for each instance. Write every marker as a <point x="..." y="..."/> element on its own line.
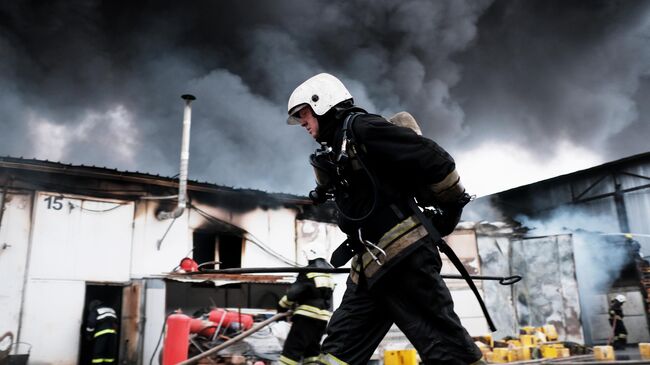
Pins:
<point x="616" y="321"/>
<point x="310" y="297"/>
<point x="405" y="286"/>
<point x="101" y="328"/>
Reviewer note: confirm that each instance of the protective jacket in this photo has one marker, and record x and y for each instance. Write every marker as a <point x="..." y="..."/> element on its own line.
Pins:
<point x="376" y="178"/>
<point x="101" y="328"/>
<point x="395" y="276"/>
<point x="310" y="296"/>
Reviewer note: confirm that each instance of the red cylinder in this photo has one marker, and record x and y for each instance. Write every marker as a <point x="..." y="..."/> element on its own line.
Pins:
<point x="177" y="340"/>
<point x="246" y="320"/>
<point x="215" y="316"/>
<point x="202" y="327"/>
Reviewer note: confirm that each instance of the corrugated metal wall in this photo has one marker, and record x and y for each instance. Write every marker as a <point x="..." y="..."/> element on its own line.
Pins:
<point x="14" y="242"/>
<point x="592" y="190"/>
<point x="74" y="240"/>
<point x="548" y="292"/>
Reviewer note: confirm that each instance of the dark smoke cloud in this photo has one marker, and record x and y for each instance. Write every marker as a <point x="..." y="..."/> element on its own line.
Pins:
<point x="98" y="82"/>
<point x="544" y="72"/>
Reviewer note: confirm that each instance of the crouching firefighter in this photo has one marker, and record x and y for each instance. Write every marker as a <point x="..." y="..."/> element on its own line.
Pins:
<point x="379" y="174"/>
<point x="311" y="299"/>
<point x="101" y="331"/>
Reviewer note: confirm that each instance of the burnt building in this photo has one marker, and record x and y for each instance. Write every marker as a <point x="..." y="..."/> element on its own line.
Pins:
<point x="604" y="212"/>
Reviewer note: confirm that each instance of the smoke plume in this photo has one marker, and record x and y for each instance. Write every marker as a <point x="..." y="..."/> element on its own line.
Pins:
<point x="98" y="82"/>
<point x="599" y="257"/>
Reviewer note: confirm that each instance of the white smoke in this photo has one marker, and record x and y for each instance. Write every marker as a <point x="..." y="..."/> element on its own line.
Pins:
<point x="598" y="259"/>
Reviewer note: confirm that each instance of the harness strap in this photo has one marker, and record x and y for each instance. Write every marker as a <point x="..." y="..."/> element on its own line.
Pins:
<point x="444" y="247"/>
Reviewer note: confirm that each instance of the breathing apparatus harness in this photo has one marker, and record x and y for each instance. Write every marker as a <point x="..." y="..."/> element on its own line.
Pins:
<point x="327" y="164"/>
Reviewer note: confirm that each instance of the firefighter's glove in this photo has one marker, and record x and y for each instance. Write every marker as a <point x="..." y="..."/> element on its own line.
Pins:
<point x="281" y="309"/>
<point x="446" y="218"/>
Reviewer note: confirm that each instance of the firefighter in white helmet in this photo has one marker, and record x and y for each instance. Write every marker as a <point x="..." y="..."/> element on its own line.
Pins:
<point x="373" y="169"/>
<point x="310" y="297"/>
<point x="619" y="332"/>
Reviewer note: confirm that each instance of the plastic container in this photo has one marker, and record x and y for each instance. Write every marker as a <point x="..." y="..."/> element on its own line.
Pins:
<point x="644" y="350"/>
<point x="604" y="353"/>
<point x="401" y="357"/>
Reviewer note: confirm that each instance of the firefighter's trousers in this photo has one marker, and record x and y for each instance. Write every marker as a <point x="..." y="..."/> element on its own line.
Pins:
<point x="414" y="297"/>
<point x="303" y="341"/>
<point x="620" y="334"/>
<point x="105" y="347"/>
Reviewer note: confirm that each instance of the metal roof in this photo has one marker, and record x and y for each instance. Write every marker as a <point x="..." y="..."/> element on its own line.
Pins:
<point x="20" y="163"/>
<point x="641" y="157"/>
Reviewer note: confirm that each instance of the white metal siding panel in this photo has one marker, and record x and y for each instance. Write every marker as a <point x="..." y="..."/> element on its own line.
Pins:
<point x="77" y="239"/>
<point x="14" y="232"/>
<point x="495" y="261"/>
<point x="154" y="318"/>
<point x="147" y="258"/>
<point x="274" y="228"/>
<point x="469" y="311"/>
<point x="463" y="242"/>
<point x="52" y="320"/>
<point x="637" y="205"/>
<point x="328" y="236"/>
<point x="547" y="293"/>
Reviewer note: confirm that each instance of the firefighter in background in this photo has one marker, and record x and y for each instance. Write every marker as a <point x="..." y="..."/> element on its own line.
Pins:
<point x="616" y="321"/>
<point x="101" y="332"/>
<point x="310" y="297"/>
<point x="373" y="169"/>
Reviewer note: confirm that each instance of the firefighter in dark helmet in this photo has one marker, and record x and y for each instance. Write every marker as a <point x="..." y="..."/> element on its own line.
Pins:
<point x="310" y="297"/>
<point x="101" y="331"/>
<point x="375" y="171"/>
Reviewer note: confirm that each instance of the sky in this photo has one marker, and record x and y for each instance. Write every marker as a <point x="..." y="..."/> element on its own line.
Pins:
<point x="516" y="91"/>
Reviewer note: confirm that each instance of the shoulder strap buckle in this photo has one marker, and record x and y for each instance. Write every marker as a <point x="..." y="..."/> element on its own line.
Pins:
<point x="347" y="126"/>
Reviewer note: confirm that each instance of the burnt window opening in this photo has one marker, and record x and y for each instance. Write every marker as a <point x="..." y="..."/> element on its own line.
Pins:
<point x="204" y="248"/>
<point x="229" y="251"/>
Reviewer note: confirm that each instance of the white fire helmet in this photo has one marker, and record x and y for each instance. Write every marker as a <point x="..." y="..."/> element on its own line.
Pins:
<point x="321" y="92"/>
<point x="620" y="298"/>
<point x="313" y="252"/>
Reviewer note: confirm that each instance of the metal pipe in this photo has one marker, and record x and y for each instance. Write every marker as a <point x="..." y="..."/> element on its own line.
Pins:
<point x="185" y="156"/>
<point x="503" y="280"/>
<point x="241" y="336"/>
<point x="3" y="199"/>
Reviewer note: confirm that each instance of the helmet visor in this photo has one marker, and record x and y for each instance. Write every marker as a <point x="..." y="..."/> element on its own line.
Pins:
<point x="294" y="118"/>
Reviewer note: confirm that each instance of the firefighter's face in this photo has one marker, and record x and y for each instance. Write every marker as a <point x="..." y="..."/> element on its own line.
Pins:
<point x="308" y="121"/>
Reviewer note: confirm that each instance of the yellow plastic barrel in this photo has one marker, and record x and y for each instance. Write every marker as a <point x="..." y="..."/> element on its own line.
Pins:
<point x="401" y="357"/>
<point x="644" y="349"/>
<point x="550" y="332"/>
<point x="500" y="355"/>
<point x="528" y="340"/>
<point x="604" y="353"/>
